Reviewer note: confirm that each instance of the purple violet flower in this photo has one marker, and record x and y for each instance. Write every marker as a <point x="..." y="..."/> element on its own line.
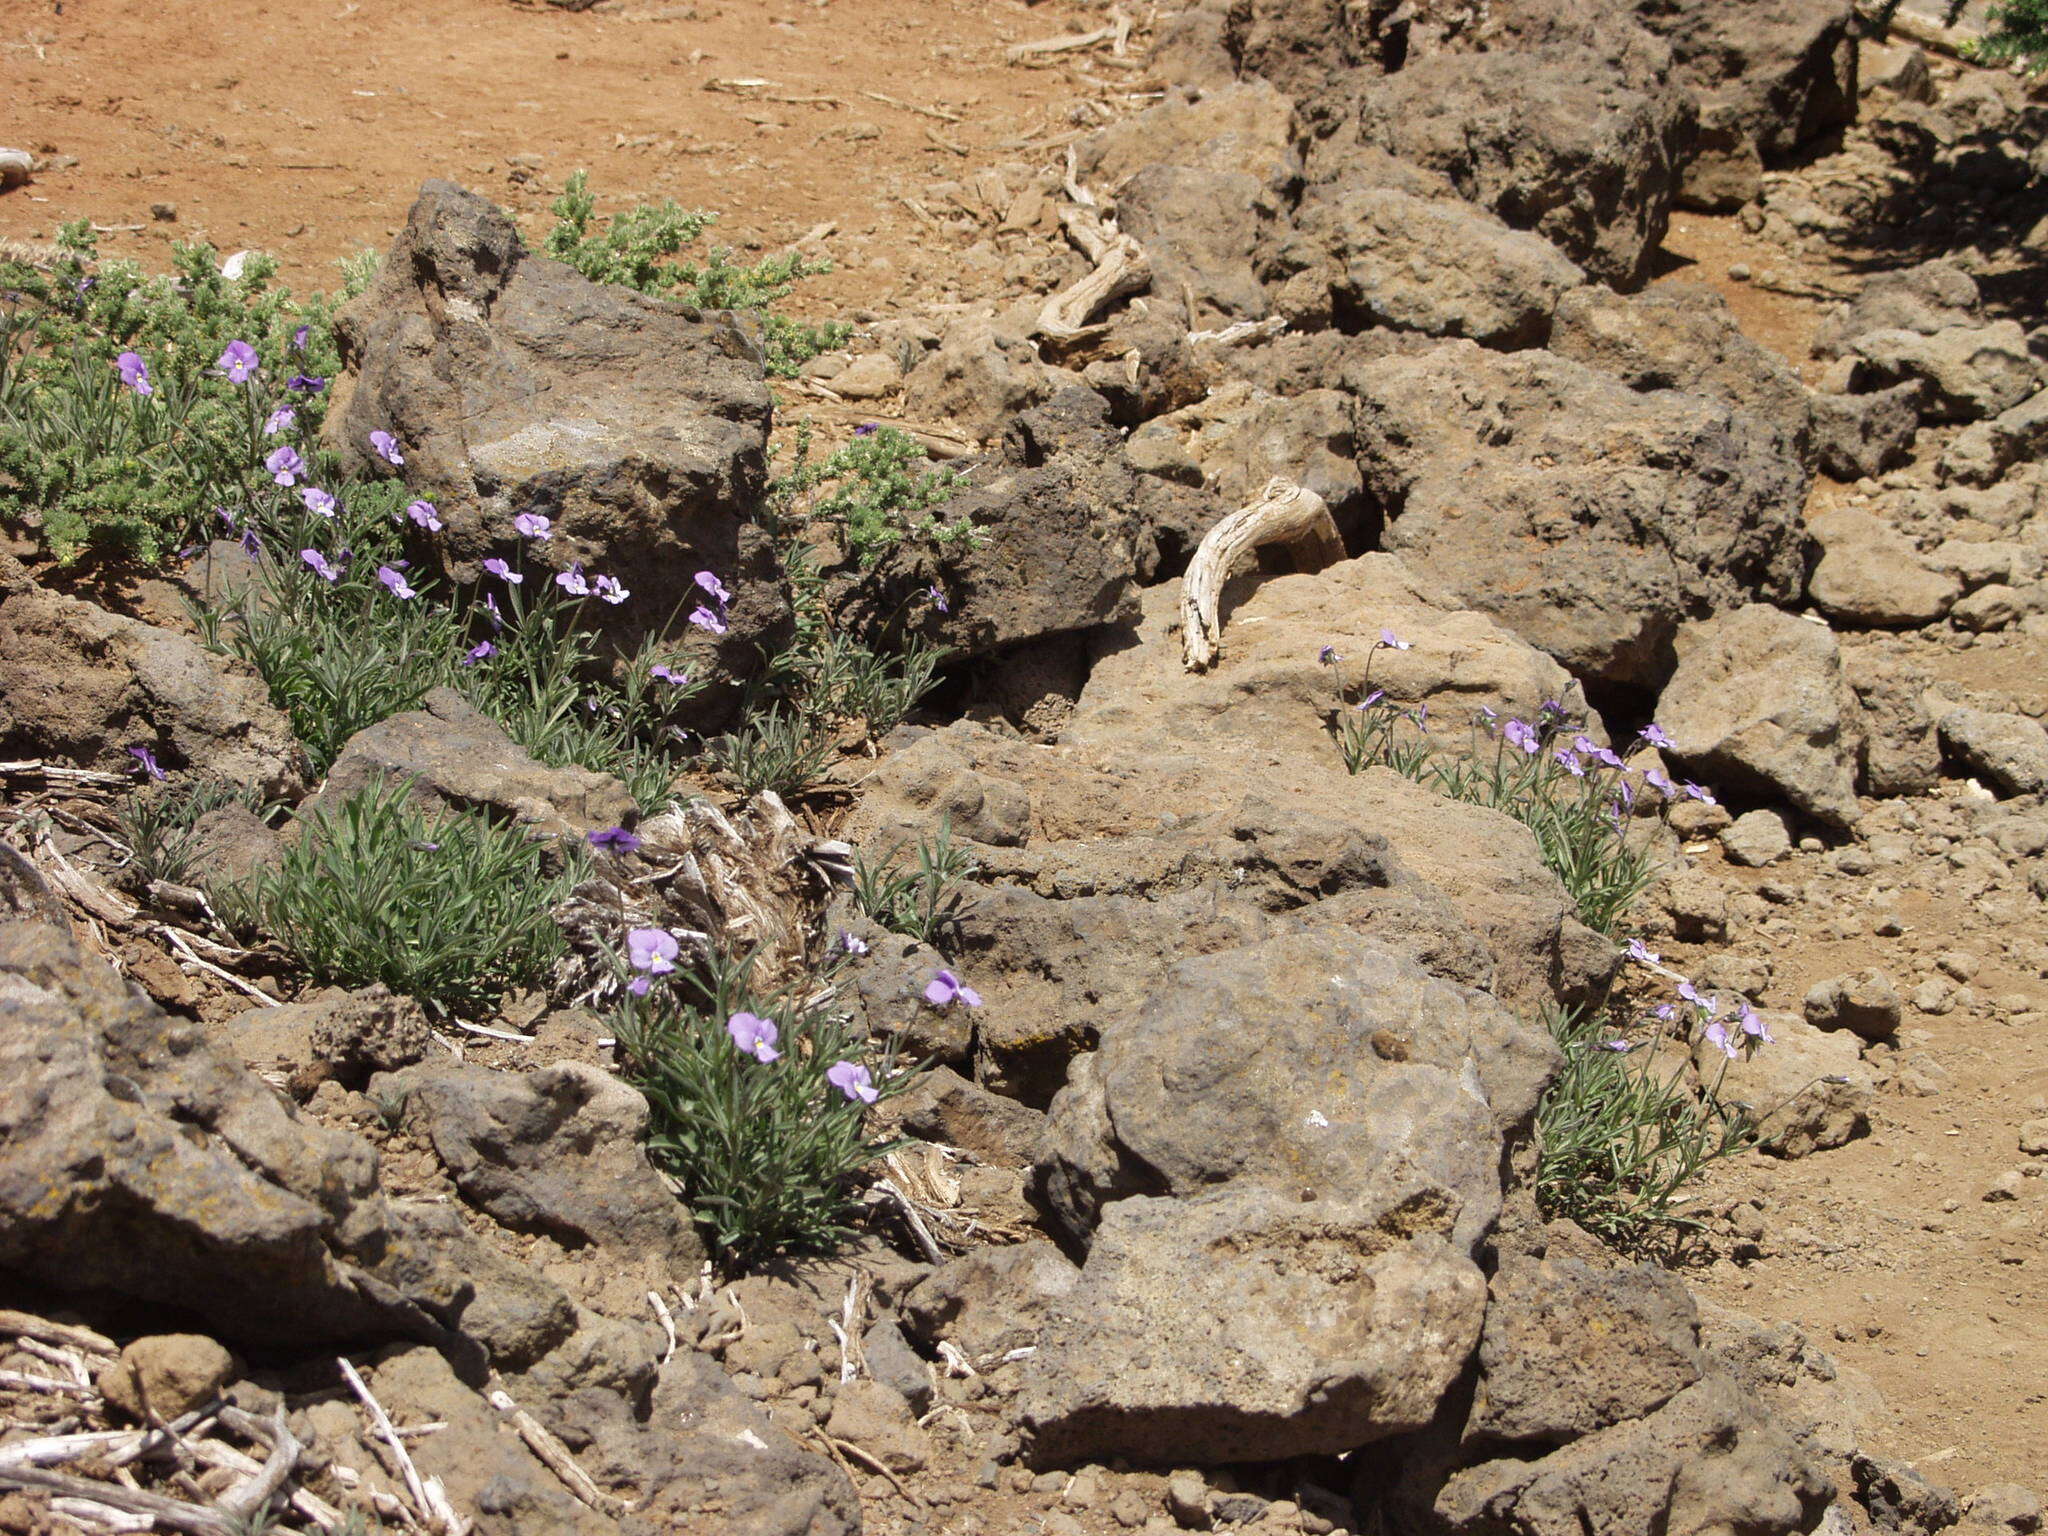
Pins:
<point x="503" y="572"/>
<point x="1394" y="642"/>
<point x="135" y="373"/>
<point x="667" y="674"/>
<point x="704" y="618"/>
<point x="617" y="839"/>
<point x="754" y="1035"/>
<point x="321" y="567"/>
<point x="1653" y="733"/>
<point x="851" y="943"/>
<point x="652" y="950"/>
<point x="572" y="580"/>
<point x="423" y="513"/>
<point x="1753" y="1026"/>
<point x="283" y="419"/>
<point x="285" y="465"/>
<point x="865" y="429"/>
<point x="306" y="383"/>
<point x="299" y="337"/>
<point x="1519" y="735"/>
<point x="481" y="651"/>
<point x="608" y="588"/>
<point x="395" y="582"/>
<point x="714" y="587"/>
<point x="853" y="1080"/>
<point x="1569" y="761"/>
<point x="250" y="543"/>
<point x="320" y="503"/>
<point x="387" y="448"/>
<point x="944" y="987"/>
<point x="145" y="762"/>
<point x="1716" y="1034"/>
<point x="533" y="526"/>
<point x="238" y="362"/>
<point x="938" y="597"/>
<point x="1327" y="656"/>
<point x="1641" y="953"/>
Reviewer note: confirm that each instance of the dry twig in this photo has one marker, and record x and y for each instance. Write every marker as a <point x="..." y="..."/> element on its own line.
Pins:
<point x="1285" y="513"/>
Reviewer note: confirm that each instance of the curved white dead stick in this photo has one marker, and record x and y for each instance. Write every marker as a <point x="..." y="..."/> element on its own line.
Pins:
<point x="1285" y="513"/>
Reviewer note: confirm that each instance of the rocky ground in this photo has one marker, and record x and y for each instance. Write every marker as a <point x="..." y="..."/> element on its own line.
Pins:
<point x="1639" y="368"/>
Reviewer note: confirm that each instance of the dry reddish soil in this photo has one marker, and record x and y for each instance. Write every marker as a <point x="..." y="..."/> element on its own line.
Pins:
<point x="305" y="131"/>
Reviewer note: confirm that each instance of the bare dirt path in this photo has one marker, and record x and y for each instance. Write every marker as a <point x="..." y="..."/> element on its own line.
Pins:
<point x="306" y="130"/>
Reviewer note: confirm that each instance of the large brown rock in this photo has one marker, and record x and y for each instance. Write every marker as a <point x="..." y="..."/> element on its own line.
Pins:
<point x="1589" y="518"/>
<point x="1248" y="1325"/>
<point x="1569" y="1350"/>
<point x="1054" y="549"/>
<point x="1553" y="139"/>
<point x="1679" y="336"/>
<point x="83" y="686"/>
<point x="1710" y="1461"/>
<point x="134" y="1159"/>
<point x="559" y="1150"/>
<point x="1771" y="75"/>
<point x="1759" y="705"/>
<point x="1363" y="255"/>
<point x="513" y="385"/>
<point x="1317" y="1065"/>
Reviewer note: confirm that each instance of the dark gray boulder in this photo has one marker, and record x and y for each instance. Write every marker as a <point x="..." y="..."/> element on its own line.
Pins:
<point x="515" y="385"/>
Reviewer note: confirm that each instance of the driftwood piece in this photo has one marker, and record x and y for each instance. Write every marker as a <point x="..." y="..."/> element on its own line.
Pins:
<point x="1285" y="513"/>
<point x="1121" y="269"/>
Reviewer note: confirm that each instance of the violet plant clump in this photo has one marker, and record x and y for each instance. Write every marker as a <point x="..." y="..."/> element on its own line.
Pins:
<point x="759" y="1097"/>
<point x="130" y="403"/>
<point x="1577" y="796"/>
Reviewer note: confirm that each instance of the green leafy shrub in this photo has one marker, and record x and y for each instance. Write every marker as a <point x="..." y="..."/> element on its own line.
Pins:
<point x="1622" y="1136"/>
<point x="546" y="683"/>
<point x="449" y="909"/>
<point x="765" y="1146"/>
<point x="876" y="490"/>
<point x="638" y="248"/>
<point x="919" y="900"/>
<point x="97" y="465"/>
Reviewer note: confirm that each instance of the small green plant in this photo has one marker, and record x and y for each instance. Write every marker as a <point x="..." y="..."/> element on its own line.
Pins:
<point x="876" y="491"/>
<point x="759" y="1100"/>
<point x="2015" y="31"/>
<point x="779" y="749"/>
<point x="159" y="823"/>
<point x="545" y="682"/>
<point x="920" y="900"/>
<point x="638" y="248"/>
<point x="450" y="909"/>
<point x="838" y="678"/>
<point x="1622" y="1136"/>
<point x="123" y="416"/>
